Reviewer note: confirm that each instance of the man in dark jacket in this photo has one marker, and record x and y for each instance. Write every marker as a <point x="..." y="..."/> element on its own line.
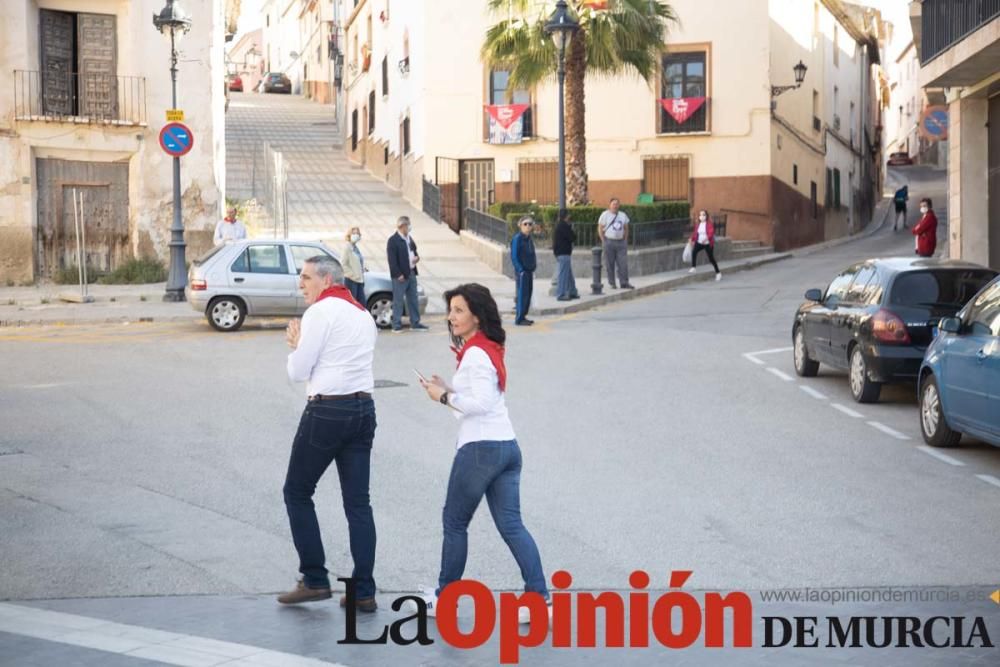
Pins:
<point x="522" y="255"/>
<point x="403" y="258"/>
<point x="562" y="248"/>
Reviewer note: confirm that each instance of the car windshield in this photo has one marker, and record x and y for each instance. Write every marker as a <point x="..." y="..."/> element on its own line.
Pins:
<point x="938" y="288"/>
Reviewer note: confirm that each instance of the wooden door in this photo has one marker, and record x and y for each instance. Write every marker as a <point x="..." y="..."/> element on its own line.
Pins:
<point x="539" y="182"/>
<point x="98" y="68"/>
<point x="667" y="179"/>
<point x="56" y="38"/>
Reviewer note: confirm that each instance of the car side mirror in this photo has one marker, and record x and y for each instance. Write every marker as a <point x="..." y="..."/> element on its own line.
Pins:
<point x="814" y="295"/>
<point x="951" y="325"/>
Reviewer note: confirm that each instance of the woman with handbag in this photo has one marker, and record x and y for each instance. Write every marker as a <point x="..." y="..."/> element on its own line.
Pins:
<point x="354" y="265"/>
<point x="488" y="460"/>
<point x="703" y="238"/>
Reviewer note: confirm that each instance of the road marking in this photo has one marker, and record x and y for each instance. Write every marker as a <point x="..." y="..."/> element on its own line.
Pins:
<point x="812" y="392"/>
<point x="136" y="641"/>
<point x="784" y="376"/>
<point x="888" y="431"/>
<point x="771" y="351"/>
<point x="990" y="479"/>
<point x="846" y="410"/>
<point x="750" y="357"/>
<point x="939" y="456"/>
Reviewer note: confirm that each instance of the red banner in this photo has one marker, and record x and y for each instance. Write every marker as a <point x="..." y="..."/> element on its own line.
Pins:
<point x="681" y="108"/>
<point x="506" y="114"/>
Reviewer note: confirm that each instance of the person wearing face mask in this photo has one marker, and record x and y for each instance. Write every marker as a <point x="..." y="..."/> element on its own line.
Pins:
<point x="926" y="229"/>
<point x="354" y="265"/>
<point x="488" y="460"/>
<point x="703" y="238"/>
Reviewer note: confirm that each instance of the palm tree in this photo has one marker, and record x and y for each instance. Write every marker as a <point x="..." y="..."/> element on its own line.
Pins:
<point x="628" y="36"/>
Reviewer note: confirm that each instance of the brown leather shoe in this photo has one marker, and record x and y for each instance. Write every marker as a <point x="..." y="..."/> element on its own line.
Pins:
<point x="304" y="594"/>
<point x="362" y="604"/>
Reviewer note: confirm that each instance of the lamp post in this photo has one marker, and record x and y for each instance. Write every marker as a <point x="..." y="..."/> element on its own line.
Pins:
<point x="175" y="20"/>
<point x="800" y="75"/>
<point x="561" y="26"/>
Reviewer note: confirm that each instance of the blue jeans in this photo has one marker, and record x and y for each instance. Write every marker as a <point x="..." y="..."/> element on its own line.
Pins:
<point x="408" y="290"/>
<point x="525" y="284"/>
<point x="357" y="290"/>
<point x="491" y="468"/>
<point x="341" y="432"/>
<point x="565" y="282"/>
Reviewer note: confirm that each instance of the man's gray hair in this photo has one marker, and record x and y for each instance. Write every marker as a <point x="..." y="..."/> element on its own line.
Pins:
<point x="403" y="220"/>
<point x="327" y="266"/>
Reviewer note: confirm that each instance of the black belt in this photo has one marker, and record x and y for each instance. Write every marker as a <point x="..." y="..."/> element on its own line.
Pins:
<point x="338" y="397"/>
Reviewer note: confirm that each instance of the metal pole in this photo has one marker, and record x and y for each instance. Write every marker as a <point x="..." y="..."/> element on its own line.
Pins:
<point x="177" y="277"/>
<point x="83" y="249"/>
<point x="562" y="128"/>
<point x="79" y="250"/>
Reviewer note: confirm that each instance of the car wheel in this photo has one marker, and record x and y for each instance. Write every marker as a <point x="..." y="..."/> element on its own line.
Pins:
<point x="804" y="365"/>
<point x="863" y="388"/>
<point x="380" y="307"/>
<point x="933" y="425"/>
<point x="226" y="313"/>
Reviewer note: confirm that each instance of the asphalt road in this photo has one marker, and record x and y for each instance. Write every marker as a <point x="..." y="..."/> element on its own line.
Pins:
<point x="149" y="459"/>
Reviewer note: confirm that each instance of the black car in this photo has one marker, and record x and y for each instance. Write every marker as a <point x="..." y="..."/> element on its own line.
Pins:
<point x="877" y="318"/>
<point x="276" y="82"/>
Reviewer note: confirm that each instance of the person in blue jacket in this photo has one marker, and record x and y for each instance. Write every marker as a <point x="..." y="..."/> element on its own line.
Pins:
<point x="522" y="255"/>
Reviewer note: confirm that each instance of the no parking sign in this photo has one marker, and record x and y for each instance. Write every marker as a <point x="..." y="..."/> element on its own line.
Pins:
<point x="176" y="139"/>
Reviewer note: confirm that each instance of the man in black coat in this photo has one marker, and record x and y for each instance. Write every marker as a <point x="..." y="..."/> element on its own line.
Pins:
<point x="562" y="248"/>
<point x="402" y="254"/>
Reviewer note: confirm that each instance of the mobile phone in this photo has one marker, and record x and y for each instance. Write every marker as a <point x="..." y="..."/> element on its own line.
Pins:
<point x="419" y="375"/>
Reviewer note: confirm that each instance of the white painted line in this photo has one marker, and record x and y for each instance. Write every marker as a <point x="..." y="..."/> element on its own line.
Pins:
<point x="930" y="451"/>
<point x="989" y="479"/>
<point x="784" y="376"/>
<point x="812" y="392"/>
<point x="846" y="410"/>
<point x="750" y="357"/>
<point x="135" y="641"/>
<point x="775" y="350"/>
<point x="888" y="431"/>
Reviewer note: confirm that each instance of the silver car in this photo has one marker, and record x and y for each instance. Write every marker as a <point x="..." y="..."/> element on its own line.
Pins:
<point x="260" y="278"/>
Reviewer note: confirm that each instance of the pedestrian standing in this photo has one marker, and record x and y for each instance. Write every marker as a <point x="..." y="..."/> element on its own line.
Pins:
<point x="703" y="238"/>
<point x="403" y="258"/>
<point x="488" y="460"/>
<point x="354" y="265"/>
<point x="229" y="228"/>
<point x="899" y="201"/>
<point x="332" y="351"/>
<point x="926" y="229"/>
<point x="562" y="247"/>
<point x="522" y="256"/>
<point x="612" y="228"/>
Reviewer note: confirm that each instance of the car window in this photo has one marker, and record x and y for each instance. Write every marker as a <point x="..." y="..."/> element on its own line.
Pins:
<point x="261" y="259"/>
<point x="858" y="289"/>
<point x="837" y="290"/>
<point x="208" y="255"/>
<point x="300" y="253"/>
<point x="933" y="288"/>
<point x="984" y="313"/>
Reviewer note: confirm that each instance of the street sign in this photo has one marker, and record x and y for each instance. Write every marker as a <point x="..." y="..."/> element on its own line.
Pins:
<point x="934" y="123"/>
<point x="176" y="139"/>
<point x="175" y="115"/>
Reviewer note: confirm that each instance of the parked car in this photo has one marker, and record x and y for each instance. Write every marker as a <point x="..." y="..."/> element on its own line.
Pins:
<point x="259" y="278"/>
<point x="899" y="159"/>
<point x="236" y="83"/>
<point x="877" y="318"/>
<point x="276" y="82"/>
<point x="960" y="376"/>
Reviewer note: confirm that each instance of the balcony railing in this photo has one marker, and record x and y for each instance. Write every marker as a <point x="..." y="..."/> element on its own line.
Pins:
<point x="80" y="98"/>
<point x="946" y="22"/>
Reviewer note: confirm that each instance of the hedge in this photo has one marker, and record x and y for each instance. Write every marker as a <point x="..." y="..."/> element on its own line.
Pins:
<point x="546" y="214"/>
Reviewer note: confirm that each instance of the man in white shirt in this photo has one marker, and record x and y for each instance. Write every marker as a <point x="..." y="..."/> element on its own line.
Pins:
<point x="612" y="227"/>
<point x="332" y="351"/>
<point x="229" y="228"/>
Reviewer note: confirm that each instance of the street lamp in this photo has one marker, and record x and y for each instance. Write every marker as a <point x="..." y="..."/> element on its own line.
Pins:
<point x="561" y="26"/>
<point x="800" y="75"/>
<point x="175" y="20"/>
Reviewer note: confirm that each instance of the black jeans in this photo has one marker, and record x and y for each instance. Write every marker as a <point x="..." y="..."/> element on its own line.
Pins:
<point x="711" y="255"/>
<point x="357" y="290"/>
<point x="341" y="432"/>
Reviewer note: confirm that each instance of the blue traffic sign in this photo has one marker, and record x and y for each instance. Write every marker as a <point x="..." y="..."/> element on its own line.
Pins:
<point x="176" y="139"/>
<point x="934" y="122"/>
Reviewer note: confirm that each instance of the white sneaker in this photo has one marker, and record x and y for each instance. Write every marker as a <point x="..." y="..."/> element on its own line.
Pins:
<point x="718" y="276"/>
<point x="524" y="614"/>
<point x="691" y="270"/>
<point x="429" y="598"/>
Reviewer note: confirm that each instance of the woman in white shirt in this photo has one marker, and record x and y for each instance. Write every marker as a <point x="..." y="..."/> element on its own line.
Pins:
<point x="488" y="460"/>
<point x="703" y="238"/>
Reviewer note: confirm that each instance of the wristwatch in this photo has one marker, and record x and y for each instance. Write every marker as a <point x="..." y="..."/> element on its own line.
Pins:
<point x="444" y="398"/>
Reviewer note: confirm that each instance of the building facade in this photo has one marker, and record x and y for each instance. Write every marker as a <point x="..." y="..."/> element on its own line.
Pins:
<point x="245" y="58"/>
<point x="85" y="87"/>
<point x="959" y="49"/>
<point x="416" y="95"/>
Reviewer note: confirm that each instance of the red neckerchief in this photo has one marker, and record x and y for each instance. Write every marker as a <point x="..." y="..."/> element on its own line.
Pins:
<point x="232" y="222"/>
<point x="339" y="292"/>
<point x="492" y="349"/>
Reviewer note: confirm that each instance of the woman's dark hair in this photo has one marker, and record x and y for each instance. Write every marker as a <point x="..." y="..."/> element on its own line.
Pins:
<point x="927" y="200"/>
<point x="482" y="306"/>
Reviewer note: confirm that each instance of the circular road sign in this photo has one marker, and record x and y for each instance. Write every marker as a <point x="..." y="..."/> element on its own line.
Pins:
<point x="934" y="123"/>
<point x="176" y="139"/>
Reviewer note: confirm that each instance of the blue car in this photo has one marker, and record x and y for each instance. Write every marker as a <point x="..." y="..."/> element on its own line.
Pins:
<point x="960" y="375"/>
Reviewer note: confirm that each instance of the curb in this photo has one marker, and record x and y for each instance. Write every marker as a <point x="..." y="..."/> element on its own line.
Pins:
<point x="870" y="230"/>
<point x="662" y="286"/>
<point x="257" y="323"/>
